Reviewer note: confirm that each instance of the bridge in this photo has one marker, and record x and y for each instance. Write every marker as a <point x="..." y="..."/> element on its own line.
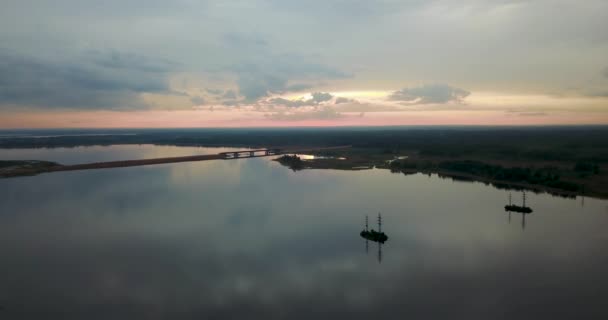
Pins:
<point x="242" y="154"/>
<point x="272" y="152"/>
<point x="250" y="153"/>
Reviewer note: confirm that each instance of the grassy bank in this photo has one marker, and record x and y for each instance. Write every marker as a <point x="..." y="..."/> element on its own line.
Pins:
<point x="558" y="177"/>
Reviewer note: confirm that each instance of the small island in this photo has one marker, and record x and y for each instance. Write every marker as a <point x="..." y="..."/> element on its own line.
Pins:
<point x="15" y="168"/>
<point x="292" y="162"/>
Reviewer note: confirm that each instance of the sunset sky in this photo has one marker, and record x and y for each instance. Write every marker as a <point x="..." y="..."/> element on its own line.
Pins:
<point x="264" y="63"/>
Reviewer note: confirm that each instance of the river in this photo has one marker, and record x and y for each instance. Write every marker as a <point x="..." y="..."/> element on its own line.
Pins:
<point x="249" y="238"/>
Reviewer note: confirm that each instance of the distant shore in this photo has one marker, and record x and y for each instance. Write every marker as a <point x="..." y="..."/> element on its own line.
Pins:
<point x="566" y="160"/>
<point x="33" y="167"/>
<point x="575" y="187"/>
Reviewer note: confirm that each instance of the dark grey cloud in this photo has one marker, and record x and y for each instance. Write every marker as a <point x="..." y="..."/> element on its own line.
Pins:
<point x="254" y="86"/>
<point x="258" y="79"/>
<point x="229" y="98"/>
<point x="197" y="100"/>
<point x="130" y="61"/>
<point x="430" y="93"/>
<point x="299" y="87"/>
<point x="215" y="92"/>
<point x="231" y="103"/>
<point x="340" y="100"/>
<point x="605" y="72"/>
<point x="321" y="96"/>
<point x="261" y="71"/>
<point x="92" y="80"/>
<point x="353" y="105"/>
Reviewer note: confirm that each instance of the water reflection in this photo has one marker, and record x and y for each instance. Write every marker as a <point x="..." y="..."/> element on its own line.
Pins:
<point x="316" y="157"/>
<point x="252" y="239"/>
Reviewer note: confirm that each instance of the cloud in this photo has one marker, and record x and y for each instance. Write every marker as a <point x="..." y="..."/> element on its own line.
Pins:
<point x="197" y="100"/>
<point x="340" y="100"/>
<point x="258" y="79"/>
<point x="430" y="93"/>
<point x="265" y="48"/>
<point x="298" y="87"/>
<point x="230" y="98"/>
<point x="253" y="85"/>
<point x="92" y="80"/>
<point x="289" y="103"/>
<point x="230" y="95"/>
<point x="217" y="97"/>
<point x="119" y="60"/>
<point x="324" y="100"/>
<point x="317" y="98"/>
<point x="325" y="113"/>
<point x="215" y="92"/>
<point x="365" y="107"/>
<point x="231" y="103"/>
<point x="261" y="71"/>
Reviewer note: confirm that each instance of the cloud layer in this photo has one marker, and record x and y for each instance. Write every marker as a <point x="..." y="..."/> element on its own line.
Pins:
<point x="430" y="93"/>
<point x="94" y="80"/>
<point x="274" y="74"/>
<point x="316" y="99"/>
<point x="83" y="55"/>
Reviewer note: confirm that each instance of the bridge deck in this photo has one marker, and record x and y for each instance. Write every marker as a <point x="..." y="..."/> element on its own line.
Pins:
<point x="241" y="154"/>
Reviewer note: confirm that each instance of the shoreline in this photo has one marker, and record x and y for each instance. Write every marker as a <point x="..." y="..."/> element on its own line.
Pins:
<point x="512" y="185"/>
<point x="355" y="159"/>
<point x="442" y="173"/>
<point x="473" y="178"/>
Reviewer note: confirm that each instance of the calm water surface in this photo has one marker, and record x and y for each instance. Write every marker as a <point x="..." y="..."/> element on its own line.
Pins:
<point x="248" y="239"/>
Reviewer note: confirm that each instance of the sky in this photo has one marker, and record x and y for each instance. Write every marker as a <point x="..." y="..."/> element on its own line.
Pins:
<point x="286" y="63"/>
